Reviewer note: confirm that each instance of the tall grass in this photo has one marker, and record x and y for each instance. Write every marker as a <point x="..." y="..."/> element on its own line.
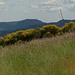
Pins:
<point x="47" y="56"/>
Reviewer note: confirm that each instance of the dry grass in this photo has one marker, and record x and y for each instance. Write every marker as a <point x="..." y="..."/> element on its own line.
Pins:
<point x="47" y="56"/>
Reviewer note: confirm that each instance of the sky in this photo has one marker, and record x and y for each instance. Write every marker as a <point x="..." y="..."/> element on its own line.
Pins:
<point x="44" y="10"/>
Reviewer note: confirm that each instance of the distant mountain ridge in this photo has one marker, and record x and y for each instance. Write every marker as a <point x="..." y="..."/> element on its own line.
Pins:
<point x="18" y="24"/>
<point x="9" y="27"/>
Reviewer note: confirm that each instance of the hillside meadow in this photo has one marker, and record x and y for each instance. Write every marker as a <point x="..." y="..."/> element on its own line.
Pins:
<point x="46" y="56"/>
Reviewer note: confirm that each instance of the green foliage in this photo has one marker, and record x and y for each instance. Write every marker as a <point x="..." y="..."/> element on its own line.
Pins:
<point x="51" y="28"/>
<point x="48" y="34"/>
<point x="1" y="40"/>
<point x="68" y="27"/>
<point x="10" y="39"/>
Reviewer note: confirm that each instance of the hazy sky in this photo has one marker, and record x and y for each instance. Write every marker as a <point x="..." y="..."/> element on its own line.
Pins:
<point x="44" y="10"/>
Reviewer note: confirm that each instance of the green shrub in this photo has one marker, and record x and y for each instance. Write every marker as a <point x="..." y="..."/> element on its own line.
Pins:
<point x="68" y="27"/>
<point x="1" y="40"/>
<point x="51" y="28"/>
<point x="48" y="34"/>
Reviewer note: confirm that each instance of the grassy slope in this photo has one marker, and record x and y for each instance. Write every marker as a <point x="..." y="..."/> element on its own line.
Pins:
<point x="47" y="56"/>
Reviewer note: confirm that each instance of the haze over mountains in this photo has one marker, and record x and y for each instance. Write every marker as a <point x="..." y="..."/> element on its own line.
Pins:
<point x="9" y="27"/>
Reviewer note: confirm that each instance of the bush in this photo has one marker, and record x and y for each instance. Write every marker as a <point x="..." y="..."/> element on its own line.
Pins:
<point x="48" y="34"/>
<point x="68" y="27"/>
<point x="1" y="40"/>
<point x="53" y="29"/>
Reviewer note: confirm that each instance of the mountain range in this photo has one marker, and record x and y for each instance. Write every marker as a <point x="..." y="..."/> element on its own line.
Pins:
<point x="9" y="27"/>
